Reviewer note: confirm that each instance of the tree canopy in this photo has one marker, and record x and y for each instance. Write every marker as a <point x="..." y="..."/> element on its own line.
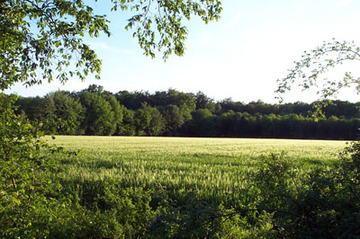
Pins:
<point x="44" y="39"/>
<point x="94" y="111"/>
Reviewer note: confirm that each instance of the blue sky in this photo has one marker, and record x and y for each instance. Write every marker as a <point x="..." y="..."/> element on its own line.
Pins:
<point x="241" y="56"/>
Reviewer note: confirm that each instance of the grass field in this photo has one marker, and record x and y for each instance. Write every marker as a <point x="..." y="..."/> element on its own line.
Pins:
<point x="210" y="166"/>
<point x="158" y="187"/>
<point x="222" y="147"/>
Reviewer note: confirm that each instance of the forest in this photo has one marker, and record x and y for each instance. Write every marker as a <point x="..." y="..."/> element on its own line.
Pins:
<point x="95" y="111"/>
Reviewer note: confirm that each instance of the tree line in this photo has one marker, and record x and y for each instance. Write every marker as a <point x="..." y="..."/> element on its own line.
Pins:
<point x="94" y="111"/>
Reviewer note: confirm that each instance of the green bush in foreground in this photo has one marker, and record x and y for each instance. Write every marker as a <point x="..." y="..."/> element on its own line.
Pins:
<point x="29" y="190"/>
<point x="324" y="203"/>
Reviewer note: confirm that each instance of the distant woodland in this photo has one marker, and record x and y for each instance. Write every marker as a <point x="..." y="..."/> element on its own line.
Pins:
<point x="94" y="111"/>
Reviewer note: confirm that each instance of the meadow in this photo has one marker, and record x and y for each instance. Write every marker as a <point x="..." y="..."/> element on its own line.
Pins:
<point x="167" y="187"/>
<point x="214" y="167"/>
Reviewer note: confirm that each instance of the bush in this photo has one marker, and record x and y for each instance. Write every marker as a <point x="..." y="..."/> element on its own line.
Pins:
<point x="321" y="203"/>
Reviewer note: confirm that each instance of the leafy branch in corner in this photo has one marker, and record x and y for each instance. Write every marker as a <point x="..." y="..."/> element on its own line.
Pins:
<point x="318" y="61"/>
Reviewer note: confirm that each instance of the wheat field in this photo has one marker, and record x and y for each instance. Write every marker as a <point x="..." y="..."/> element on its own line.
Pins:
<point x="210" y="167"/>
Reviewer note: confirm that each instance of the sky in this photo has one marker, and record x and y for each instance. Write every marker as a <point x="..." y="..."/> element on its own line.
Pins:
<point x="241" y="56"/>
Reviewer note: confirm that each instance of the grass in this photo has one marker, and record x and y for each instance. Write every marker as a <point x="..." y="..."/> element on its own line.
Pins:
<point x="197" y="150"/>
<point x="157" y="187"/>
<point x="317" y="149"/>
<point x="210" y="167"/>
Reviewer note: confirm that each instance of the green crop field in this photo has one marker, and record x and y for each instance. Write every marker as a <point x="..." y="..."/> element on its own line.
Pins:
<point x="149" y="147"/>
<point x="208" y="167"/>
<point x="159" y="187"/>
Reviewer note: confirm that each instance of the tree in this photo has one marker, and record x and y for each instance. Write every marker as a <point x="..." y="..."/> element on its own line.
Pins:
<point x="127" y="127"/>
<point x="132" y="100"/>
<point x="43" y="39"/>
<point x="29" y="184"/>
<point x="40" y="111"/>
<point x="157" y="123"/>
<point x="202" y="124"/>
<point x="68" y="114"/>
<point x="116" y="108"/>
<point x="319" y="61"/>
<point x="99" y="116"/>
<point x="149" y="121"/>
<point x="174" y="118"/>
<point x="97" y="89"/>
<point x="204" y="102"/>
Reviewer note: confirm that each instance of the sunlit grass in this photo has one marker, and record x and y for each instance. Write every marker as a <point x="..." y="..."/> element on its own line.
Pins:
<point x="210" y="167"/>
<point x="189" y="148"/>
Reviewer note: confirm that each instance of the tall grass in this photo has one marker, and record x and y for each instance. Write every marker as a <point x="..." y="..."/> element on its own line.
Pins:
<point x="157" y="187"/>
<point x="209" y="167"/>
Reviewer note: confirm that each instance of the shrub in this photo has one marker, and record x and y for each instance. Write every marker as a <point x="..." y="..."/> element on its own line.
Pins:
<point x="321" y="203"/>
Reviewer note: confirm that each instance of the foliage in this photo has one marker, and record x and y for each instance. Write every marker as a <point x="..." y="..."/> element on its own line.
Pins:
<point x="68" y="113"/>
<point x="322" y="203"/>
<point x="319" y="61"/>
<point x="40" y="111"/>
<point x="44" y="39"/>
<point x="166" y="17"/>
<point x="99" y="116"/>
<point x="38" y="37"/>
<point x="174" y="118"/>
<point x="148" y="120"/>
<point x="128" y="123"/>
<point x="28" y="168"/>
<point x="117" y="109"/>
<point x="175" y="113"/>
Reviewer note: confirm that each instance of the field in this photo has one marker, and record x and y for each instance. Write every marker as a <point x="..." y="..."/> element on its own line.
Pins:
<point x="208" y="167"/>
<point x="158" y="187"/>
